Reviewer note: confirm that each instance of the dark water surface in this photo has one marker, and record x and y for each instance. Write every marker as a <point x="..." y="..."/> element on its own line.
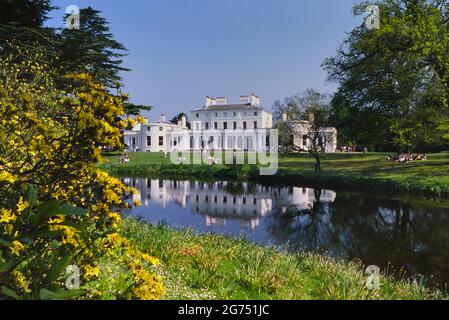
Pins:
<point x="411" y="234"/>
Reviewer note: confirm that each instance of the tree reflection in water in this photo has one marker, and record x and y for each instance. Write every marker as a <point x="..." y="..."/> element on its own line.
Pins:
<point x="384" y="232"/>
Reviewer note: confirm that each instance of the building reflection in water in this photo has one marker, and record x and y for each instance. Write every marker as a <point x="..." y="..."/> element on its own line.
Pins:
<point x="220" y="202"/>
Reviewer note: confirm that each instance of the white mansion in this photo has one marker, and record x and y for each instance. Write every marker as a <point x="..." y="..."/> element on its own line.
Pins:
<point x="216" y="126"/>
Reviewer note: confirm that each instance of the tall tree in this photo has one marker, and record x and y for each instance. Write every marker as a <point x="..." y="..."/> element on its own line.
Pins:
<point x="400" y="71"/>
<point x="22" y="21"/>
<point x="307" y="120"/>
<point x="92" y="49"/>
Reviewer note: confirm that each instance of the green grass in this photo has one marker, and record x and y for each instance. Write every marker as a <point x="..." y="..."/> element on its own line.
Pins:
<point x="370" y="171"/>
<point x="215" y="267"/>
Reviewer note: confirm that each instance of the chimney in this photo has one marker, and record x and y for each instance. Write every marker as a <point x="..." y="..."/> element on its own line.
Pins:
<point x="285" y="116"/>
<point x="244" y="99"/>
<point x="163" y="118"/>
<point x="221" y="100"/>
<point x="210" y="101"/>
<point x="184" y="121"/>
<point x="254" y="100"/>
<point x="311" y="117"/>
<point x="179" y="123"/>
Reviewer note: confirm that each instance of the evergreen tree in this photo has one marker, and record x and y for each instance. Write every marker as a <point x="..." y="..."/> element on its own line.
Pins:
<point x="22" y="22"/>
<point x="92" y="49"/>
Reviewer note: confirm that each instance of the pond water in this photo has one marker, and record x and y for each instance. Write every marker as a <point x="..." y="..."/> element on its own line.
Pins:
<point x="410" y="234"/>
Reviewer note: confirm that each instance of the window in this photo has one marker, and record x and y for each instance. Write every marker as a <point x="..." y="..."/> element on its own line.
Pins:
<point x="216" y="115"/>
<point x="149" y="141"/>
<point x="161" y="141"/>
<point x="134" y="142"/>
<point x="235" y="114"/>
<point x="304" y="140"/>
<point x="255" y="124"/>
<point x="244" y="125"/>
<point x="225" y="125"/>
<point x="225" y="199"/>
<point x="216" y="125"/>
<point x="161" y="129"/>
<point x="235" y="125"/>
<point x="255" y="114"/>
<point x="197" y="115"/>
<point x="207" y="125"/>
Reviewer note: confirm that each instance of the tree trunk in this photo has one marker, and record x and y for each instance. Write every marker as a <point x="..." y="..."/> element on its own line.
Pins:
<point x="317" y="165"/>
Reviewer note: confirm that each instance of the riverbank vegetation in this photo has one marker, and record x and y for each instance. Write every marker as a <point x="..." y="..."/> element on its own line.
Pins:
<point x="371" y="171"/>
<point x="215" y="267"/>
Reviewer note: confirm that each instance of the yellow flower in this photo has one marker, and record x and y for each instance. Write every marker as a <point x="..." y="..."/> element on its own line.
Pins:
<point x="6" y="216"/>
<point x="6" y="176"/>
<point x="21" y="281"/>
<point x="16" y="247"/>
<point x="137" y="203"/>
<point x="91" y="271"/>
<point x="154" y="261"/>
<point x="56" y="220"/>
<point x="22" y="205"/>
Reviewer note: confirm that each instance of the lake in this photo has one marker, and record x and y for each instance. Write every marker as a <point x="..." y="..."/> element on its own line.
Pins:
<point x="408" y="236"/>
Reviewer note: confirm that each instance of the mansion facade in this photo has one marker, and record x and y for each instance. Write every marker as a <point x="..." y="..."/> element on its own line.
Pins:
<point x="217" y="125"/>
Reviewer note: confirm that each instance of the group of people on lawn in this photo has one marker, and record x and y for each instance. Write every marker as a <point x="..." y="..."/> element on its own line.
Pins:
<point x="404" y="158"/>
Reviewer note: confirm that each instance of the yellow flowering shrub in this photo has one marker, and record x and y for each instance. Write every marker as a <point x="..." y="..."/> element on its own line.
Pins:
<point x="56" y="208"/>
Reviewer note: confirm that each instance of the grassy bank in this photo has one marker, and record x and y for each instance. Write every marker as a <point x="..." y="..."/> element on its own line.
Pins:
<point x="215" y="267"/>
<point x="358" y="171"/>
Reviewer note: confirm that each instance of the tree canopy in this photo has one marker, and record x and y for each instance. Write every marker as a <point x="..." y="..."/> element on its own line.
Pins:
<point x="397" y="76"/>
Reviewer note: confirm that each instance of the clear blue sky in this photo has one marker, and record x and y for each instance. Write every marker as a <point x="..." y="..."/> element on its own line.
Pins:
<point x="182" y="50"/>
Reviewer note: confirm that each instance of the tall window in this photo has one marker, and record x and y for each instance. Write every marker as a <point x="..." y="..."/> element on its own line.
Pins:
<point x="225" y="125"/>
<point x="207" y="125"/>
<point x="216" y="125"/>
<point x="304" y="140"/>
<point x="235" y="125"/>
<point x="255" y="124"/>
<point x="244" y="125"/>
<point x="161" y="141"/>
<point x="149" y="141"/>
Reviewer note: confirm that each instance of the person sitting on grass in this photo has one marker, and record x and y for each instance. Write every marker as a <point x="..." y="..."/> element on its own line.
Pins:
<point x="124" y="158"/>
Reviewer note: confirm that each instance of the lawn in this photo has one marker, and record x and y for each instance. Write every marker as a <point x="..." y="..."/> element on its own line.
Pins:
<point x="215" y="267"/>
<point x="370" y="171"/>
